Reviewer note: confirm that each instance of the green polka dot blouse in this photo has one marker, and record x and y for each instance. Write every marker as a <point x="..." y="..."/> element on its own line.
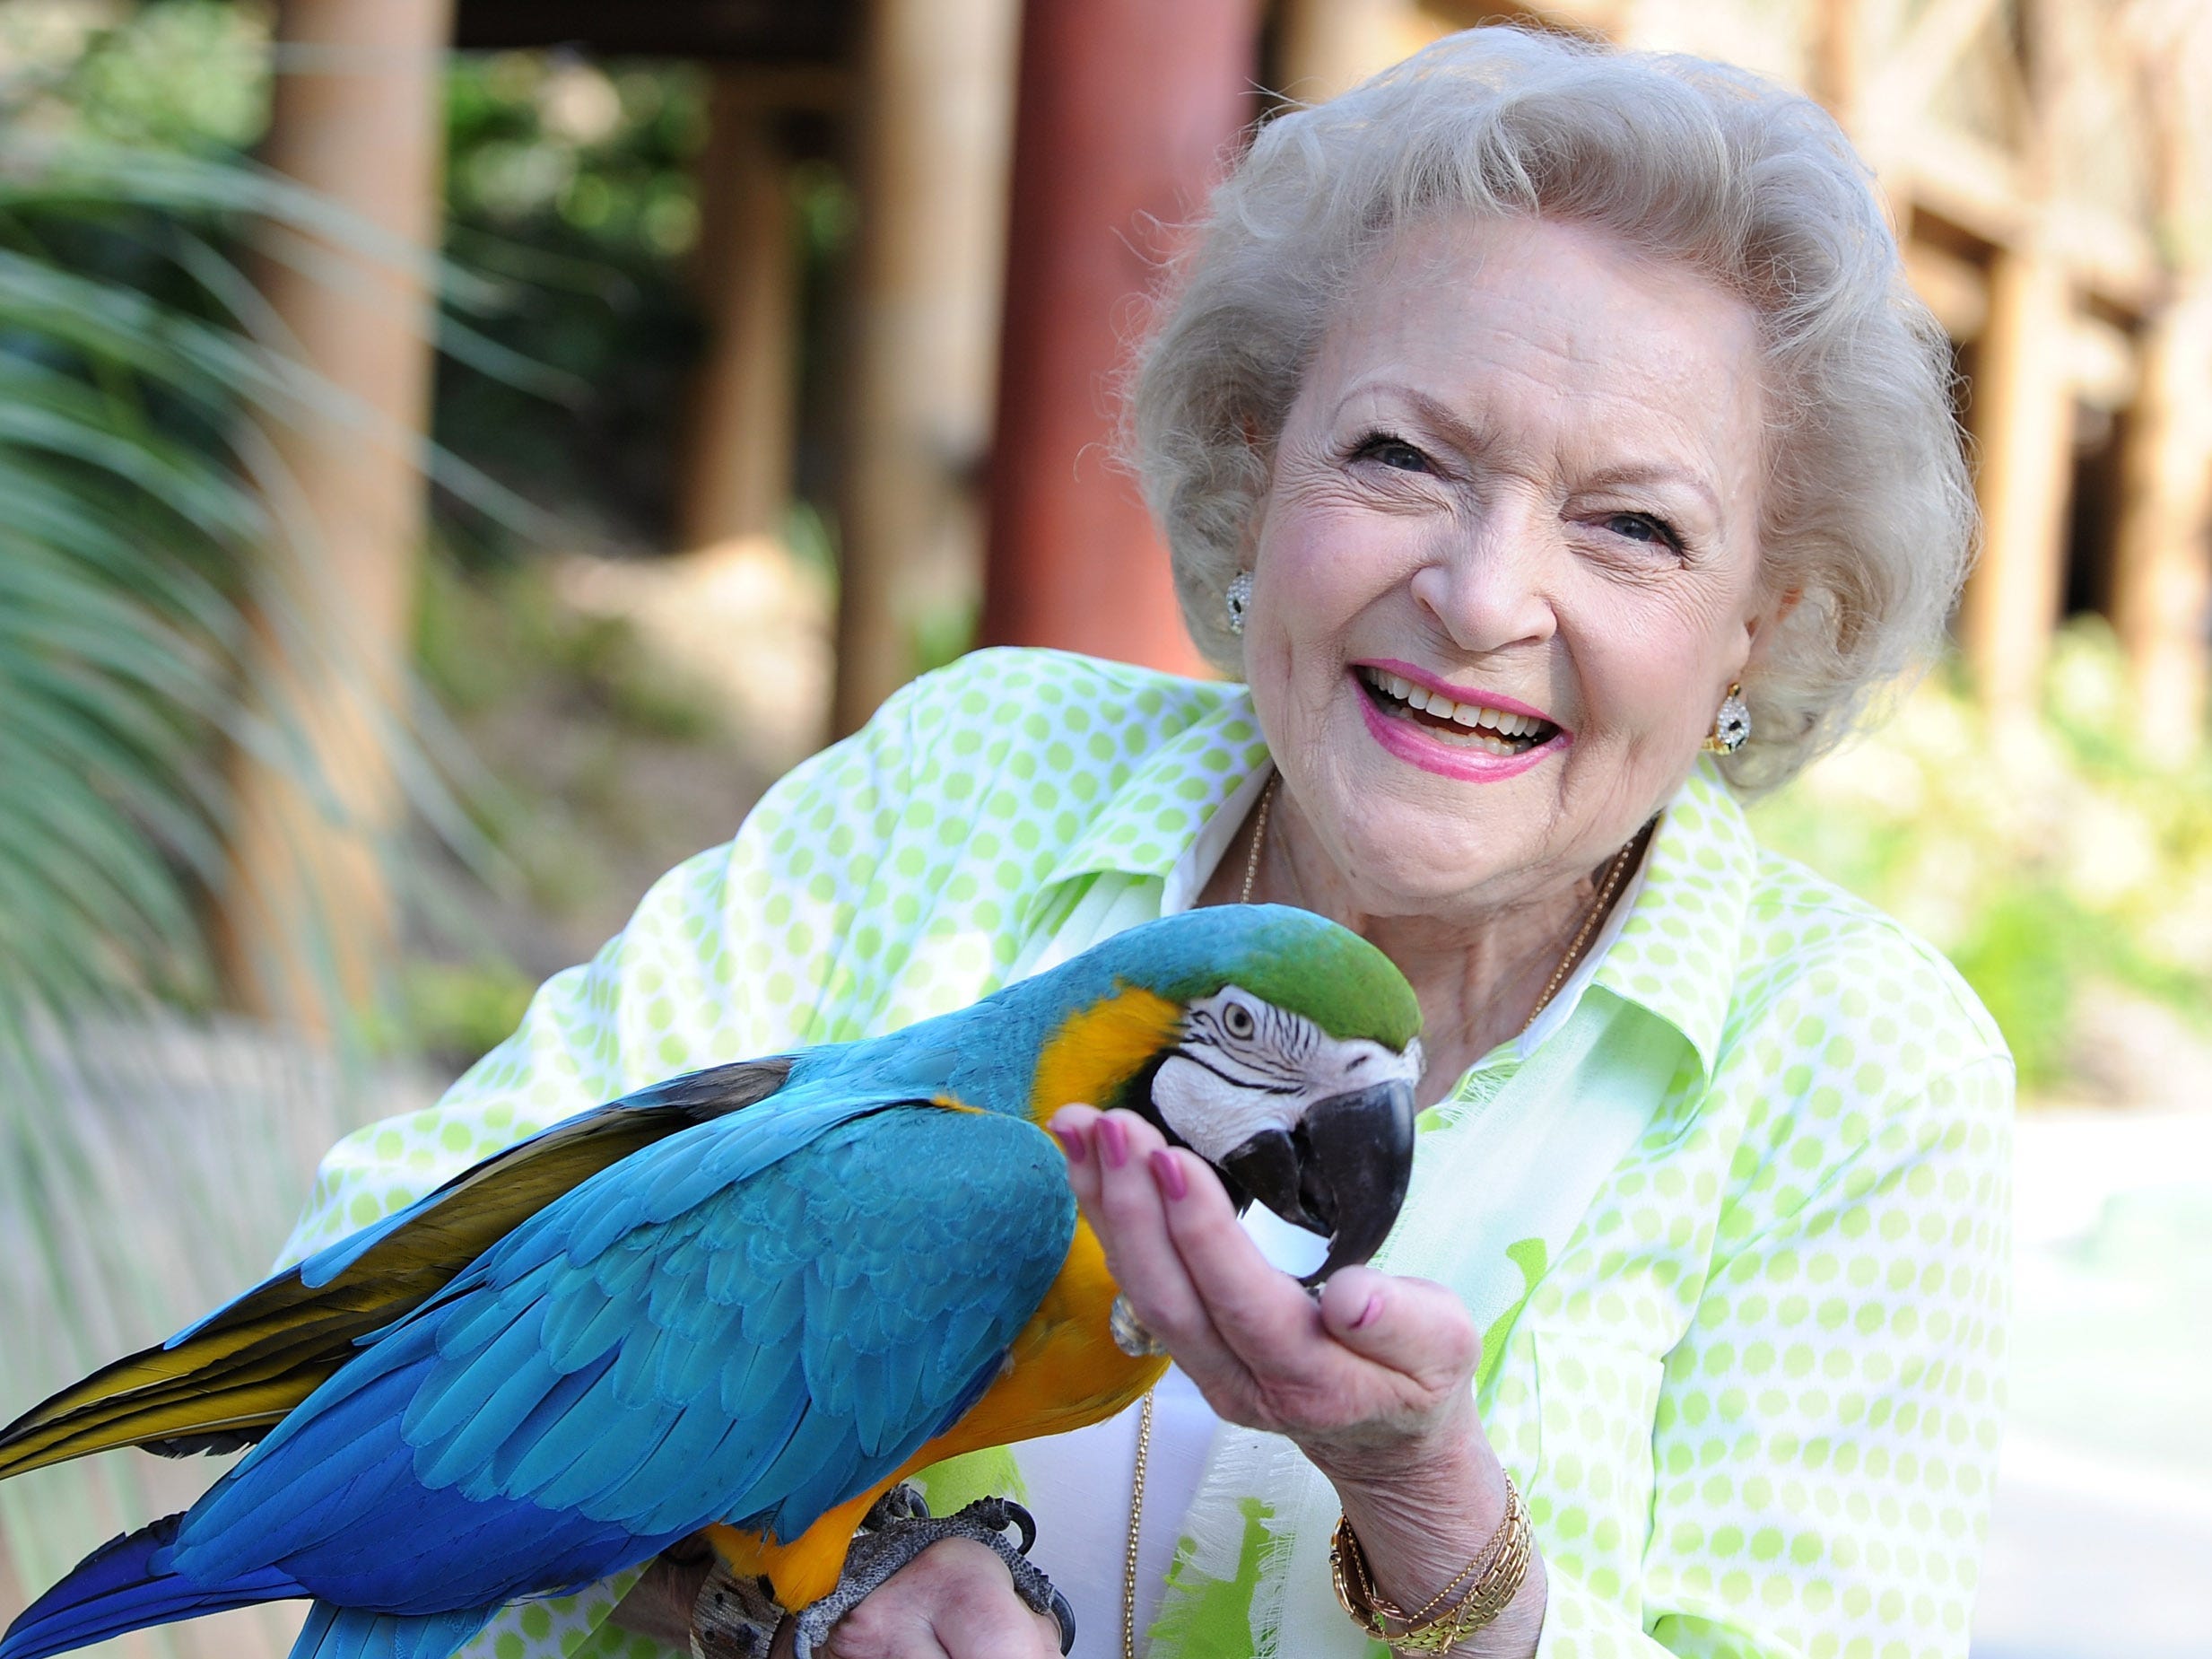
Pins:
<point x="1754" y="1403"/>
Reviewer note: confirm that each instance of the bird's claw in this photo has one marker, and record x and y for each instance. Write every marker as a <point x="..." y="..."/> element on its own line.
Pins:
<point x="899" y="1528"/>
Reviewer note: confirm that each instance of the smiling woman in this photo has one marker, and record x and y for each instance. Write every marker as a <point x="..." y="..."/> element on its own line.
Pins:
<point x="1524" y="423"/>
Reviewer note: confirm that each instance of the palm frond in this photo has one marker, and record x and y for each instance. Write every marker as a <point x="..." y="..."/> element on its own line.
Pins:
<point x="147" y="1167"/>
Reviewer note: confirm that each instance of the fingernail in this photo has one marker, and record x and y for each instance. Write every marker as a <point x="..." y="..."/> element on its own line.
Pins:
<point x="1167" y="1174"/>
<point x="1071" y="1143"/>
<point x="1374" y="1306"/>
<point x="1113" y="1143"/>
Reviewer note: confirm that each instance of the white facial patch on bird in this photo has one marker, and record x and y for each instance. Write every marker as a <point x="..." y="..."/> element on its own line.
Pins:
<point x="1244" y="1066"/>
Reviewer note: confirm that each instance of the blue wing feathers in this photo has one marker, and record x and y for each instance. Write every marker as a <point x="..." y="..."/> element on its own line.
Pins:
<point x="750" y="1320"/>
<point x="496" y="1479"/>
<point x="127" y="1583"/>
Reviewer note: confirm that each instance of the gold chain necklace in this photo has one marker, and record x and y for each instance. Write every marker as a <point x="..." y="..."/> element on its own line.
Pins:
<point x="1608" y="887"/>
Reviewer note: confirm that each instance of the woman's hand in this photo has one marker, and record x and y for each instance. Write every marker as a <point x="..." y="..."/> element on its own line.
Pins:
<point x="1372" y="1380"/>
<point x="953" y="1601"/>
<point x="1367" y="1379"/>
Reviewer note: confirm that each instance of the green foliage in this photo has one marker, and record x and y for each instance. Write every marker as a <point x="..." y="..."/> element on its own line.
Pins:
<point x="483" y="638"/>
<point x="133" y="392"/>
<point x="121" y="643"/>
<point x="456" y="1012"/>
<point x="569" y="193"/>
<point x="2043" y="859"/>
<point x="124" y="85"/>
<point x="184" y="77"/>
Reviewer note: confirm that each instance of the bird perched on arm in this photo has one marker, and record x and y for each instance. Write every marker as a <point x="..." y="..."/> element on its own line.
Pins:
<point x="749" y="1301"/>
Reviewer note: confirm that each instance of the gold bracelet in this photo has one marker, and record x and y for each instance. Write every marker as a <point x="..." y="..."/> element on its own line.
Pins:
<point x="1497" y="1572"/>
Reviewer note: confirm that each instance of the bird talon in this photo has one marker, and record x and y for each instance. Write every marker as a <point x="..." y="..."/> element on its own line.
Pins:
<point x="892" y="1537"/>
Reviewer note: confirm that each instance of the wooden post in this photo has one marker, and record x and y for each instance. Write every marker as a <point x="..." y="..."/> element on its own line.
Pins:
<point x="358" y="115"/>
<point x="2023" y="423"/>
<point x="2023" y="407"/>
<point x="935" y="108"/>
<point x="737" y="468"/>
<point x="2163" y="552"/>
<point x="1127" y="109"/>
<point x="2162" y="566"/>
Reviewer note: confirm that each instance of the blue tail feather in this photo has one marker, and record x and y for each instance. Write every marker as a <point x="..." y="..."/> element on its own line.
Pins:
<point x="339" y="1633"/>
<point x="127" y="1584"/>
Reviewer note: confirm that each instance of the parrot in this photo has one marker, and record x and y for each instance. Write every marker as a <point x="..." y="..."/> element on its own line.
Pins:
<point x="747" y="1302"/>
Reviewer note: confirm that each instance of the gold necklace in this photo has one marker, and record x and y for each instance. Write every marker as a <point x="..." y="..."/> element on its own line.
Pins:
<point x="1617" y="867"/>
<point x="1608" y="887"/>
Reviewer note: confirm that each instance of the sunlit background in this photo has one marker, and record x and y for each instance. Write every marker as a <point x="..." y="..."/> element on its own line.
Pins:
<point x="455" y="453"/>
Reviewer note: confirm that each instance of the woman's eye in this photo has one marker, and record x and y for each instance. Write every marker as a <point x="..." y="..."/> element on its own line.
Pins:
<point x="1395" y="453"/>
<point x="1643" y="528"/>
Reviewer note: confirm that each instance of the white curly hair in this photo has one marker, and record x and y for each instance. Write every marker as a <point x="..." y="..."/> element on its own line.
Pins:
<point x="1867" y="515"/>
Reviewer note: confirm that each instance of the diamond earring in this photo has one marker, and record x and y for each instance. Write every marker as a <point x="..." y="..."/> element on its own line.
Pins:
<point x="1732" y="725"/>
<point x="1237" y="599"/>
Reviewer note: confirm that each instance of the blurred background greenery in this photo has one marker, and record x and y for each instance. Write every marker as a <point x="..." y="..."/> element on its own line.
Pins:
<point x="2058" y="867"/>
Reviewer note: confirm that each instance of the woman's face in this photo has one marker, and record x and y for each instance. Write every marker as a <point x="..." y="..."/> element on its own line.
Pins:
<point x="1520" y="484"/>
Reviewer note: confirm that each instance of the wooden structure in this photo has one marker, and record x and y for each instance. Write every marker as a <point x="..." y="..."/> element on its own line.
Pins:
<point x="305" y="922"/>
<point x="2044" y="161"/>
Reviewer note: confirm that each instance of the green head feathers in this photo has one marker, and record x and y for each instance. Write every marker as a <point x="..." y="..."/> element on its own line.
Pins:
<point x="1301" y="963"/>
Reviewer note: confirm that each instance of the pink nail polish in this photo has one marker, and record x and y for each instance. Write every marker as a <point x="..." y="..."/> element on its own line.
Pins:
<point x="1113" y="1143"/>
<point x="1167" y="1174"/>
<point x="1374" y="1306"/>
<point x="1071" y="1143"/>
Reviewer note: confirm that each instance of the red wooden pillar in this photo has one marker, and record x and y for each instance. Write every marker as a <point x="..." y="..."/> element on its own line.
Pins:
<point x="1128" y="110"/>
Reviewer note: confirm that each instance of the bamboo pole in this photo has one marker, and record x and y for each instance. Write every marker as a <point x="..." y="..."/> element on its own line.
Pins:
<point x="306" y="923"/>
<point x="936" y="110"/>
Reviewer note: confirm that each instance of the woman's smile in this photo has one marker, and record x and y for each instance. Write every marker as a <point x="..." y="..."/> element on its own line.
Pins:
<point x="1480" y="739"/>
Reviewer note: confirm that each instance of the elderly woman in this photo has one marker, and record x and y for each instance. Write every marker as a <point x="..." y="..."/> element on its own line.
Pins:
<point x="1551" y="452"/>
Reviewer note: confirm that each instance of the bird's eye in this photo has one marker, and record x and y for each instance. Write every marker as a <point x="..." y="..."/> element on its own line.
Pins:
<point x="1236" y="1019"/>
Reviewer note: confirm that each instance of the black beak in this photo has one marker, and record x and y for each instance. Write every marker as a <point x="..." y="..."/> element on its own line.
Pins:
<point x="1341" y="1173"/>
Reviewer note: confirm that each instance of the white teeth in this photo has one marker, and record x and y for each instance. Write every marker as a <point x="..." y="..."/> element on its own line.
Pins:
<point x="1487" y="726"/>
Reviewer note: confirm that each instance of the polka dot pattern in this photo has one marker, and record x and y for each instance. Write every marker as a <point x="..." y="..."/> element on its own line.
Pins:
<point x="1768" y="1364"/>
<point x="1754" y="1402"/>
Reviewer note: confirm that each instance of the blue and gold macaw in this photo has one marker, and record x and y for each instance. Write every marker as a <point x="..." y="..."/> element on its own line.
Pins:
<point x="748" y="1301"/>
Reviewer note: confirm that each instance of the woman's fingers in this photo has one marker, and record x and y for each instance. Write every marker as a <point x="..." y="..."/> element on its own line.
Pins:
<point x="1261" y="1312"/>
<point x="1129" y="1216"/>
<point x="1411" y="1326"/>
<point x="1072" y="1126"/>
